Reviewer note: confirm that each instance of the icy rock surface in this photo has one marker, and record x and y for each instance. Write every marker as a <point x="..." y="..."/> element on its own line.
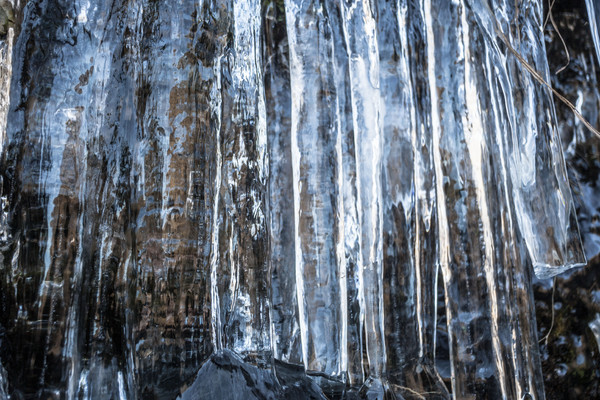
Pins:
<point x="226" y="376"/>
<point x="256" y="199"/>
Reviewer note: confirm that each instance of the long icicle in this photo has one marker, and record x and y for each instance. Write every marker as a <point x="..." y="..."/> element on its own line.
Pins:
<point x="316" y="164"/>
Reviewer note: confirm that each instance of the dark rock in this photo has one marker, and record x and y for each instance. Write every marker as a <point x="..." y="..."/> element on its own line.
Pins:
<point x="225" y="376"/>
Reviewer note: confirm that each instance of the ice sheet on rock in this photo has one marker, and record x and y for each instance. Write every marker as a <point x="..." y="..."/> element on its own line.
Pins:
<point x="46" y="181"/>
<point x="173" y="184"/>
<point x="102" y="265"/>
<point x="107" y="164"/>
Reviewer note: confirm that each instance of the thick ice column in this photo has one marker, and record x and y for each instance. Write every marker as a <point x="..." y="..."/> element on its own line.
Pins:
<point x="398" y="123"/>
<point x="243" y="238"/>
<point x="486" y="278"/>
<point x="543" y="201"/>
<point x="352" y="253"/>
<point x="465" y="231"/>
<point x="515" y="309"/>
<point x="410" y="234"/>
<point x="286" y="340"/>
<point x="316" y="164"/>
<point x="360" y="36"/>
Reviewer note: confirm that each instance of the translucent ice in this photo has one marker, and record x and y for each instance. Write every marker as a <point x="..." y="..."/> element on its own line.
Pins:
<point x="260" y="196"/>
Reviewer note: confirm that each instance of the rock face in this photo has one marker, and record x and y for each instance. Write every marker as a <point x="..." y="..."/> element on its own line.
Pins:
<point x="226" y="376"/>
<point x="266" y="199"/>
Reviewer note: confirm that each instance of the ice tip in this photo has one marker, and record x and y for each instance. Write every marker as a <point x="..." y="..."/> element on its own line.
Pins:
<point x="547" y="271"/>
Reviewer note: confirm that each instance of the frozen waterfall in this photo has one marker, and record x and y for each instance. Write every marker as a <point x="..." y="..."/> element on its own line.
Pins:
<point x="247" y="199"/>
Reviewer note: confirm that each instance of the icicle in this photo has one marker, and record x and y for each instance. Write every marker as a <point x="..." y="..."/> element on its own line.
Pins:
<point x="243" y="236"/>
<point x="593" y="9"/>
<point x="3" y="383"/>
<point x="410" y="259"/>
<point x="465" y="245"/>
<point x="6" y="49"/>
<point x="545" y="209"/>
<point x="352" y="251"/>
<point x="484" y="271"/>
<point x="580" y="83"/>
<point x="316" y="163"/>
<point x="361" y="40"/>
<point x="284" y="308"/>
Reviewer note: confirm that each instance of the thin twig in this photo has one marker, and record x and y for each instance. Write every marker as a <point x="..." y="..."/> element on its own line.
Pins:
<point x="545" y="338"/>
<point x="551" y="5"/>
<point x="414" y="392"/>
<point x="555" y="26"/>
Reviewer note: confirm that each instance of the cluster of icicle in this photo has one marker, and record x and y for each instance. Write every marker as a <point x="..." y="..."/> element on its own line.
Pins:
<point x="283" y="179"/>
